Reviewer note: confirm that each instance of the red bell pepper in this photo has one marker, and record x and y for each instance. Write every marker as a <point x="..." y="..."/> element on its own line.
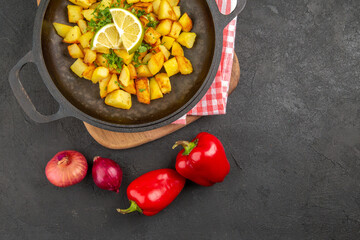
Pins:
<point x="203" y="160"/>
<point x="153" y="191"/>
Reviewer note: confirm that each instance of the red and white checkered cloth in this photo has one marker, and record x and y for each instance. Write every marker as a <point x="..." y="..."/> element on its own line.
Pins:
<point x="215" y="100"/>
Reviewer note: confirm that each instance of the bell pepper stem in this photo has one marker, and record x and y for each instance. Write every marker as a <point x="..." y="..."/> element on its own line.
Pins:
<point x="188" y="146"/>
<point x="133" y="207"/>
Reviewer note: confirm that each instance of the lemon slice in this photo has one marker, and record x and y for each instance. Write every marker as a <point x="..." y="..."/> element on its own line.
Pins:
<point x="129" y="27"/>
<point x="107" y="37"/>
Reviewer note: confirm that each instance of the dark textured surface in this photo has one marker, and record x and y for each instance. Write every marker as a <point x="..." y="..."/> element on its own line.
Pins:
<point x="291" y="134"/>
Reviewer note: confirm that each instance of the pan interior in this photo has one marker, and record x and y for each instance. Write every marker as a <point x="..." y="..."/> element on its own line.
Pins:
<point x="85" y="96"/>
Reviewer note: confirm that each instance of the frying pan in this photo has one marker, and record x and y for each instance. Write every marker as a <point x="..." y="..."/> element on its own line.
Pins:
<point x="80" y="98"/>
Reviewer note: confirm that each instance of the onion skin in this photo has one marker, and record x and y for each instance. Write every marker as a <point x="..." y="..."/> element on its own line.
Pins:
<point x="107" y="174"/>
<point x="66" y="168"/>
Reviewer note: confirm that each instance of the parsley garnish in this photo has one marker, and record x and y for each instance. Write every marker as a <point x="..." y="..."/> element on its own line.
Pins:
<point x="142" y="90"/>
<point x="102" y="17"/>
<point x="143" y="48"/>
<point x="114" y="61"/>
<point x="119" y="84"/>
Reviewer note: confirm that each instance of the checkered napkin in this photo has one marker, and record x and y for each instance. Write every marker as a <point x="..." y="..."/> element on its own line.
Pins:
<point x="215" y="100"/>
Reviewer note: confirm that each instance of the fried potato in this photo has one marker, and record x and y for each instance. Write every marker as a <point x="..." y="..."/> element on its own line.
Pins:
<point x="185" y="65"/>
<point x="90" y="56"/>
<point x="171" y="67"/>
<point x="143" y="71"/>
<point x="151" y="36"/>
<point x="187" y="39"/>
<point x="177" y="50"/>
<point x="87" y="74"/>
<point x="124" y="77"/>
<point x="155" y="91"/>
<point x="61" y="29"/>
<point x="99" y="74"/>
<point x="75" y="51"/>
<point x="156" y="62"/>
<point x="130" y="88"/>
<point x="81" y="3"/>
<point x="164" y="27"/>
<point x="143" y="90"/>
<point x="113" y="84"/>
<point x="74" y="13"/>
<point x="119" y="99"/>
<point x="164" y="82"/>
<point x="85" y="39"/>
<point x="186" y="22"/>
<point x="167" y="42"/>
<point x="73" y="35"/>
<point x="166" y="11"/>
<point x="175" y="30"/>
<point x="82" y="25"/>
<point x="103" y="86"/>
<point x="79" y="67"/>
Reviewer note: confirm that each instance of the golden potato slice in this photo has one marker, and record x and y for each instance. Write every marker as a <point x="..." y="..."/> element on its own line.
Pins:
<point x="127" y="58"/>
<point x="119" y="99"/>
<point x="156" y="63"/>
<point x="151" y="36"/>
<point x="101" y="61"/>
<point x="130" y="88"/>
<point x="177" y="50"/>
<point x="99" y="74"/>
<point x="79" y="67"/>
<point x="166" y="11"/>
<point x="81" y="3"/>
<point x="85" y="39"/>
<point x="156" y="6"/>
<point x="73" y="35"/>
<point x="185" y="65"/>
<point x="171" y="67"/>
<point x="74" y="13"/>
<point x="145" y="6"/>
<point x="164" y="27"/>
<point x="75" y="51"/>
<point x="113" y="84"/>
<point x="167" y="42"/>
<point x="147" y="58"/>
<point x="143" y="90"/>
<point x="164" y="82"/>
<point x="186" y="22"/>
<point x="82" y="25"/>
<point x="177" y="11"/>
<point x="132" y="69"/>
<point x="155" y="91"/>
<point x="143" y="71"/>
<point x="125" y="76"/>
<point x="173" y="3"/>
<point x="175" y="30"/>
<point x="61" y="29"/>
<point x="103" y="86"/>
<point x="132" y="1"/>
<point x="89" y="14"/>
<point x="90" y="56"/>
<point x="87" y="74"/>
<point x="187" y="39"/>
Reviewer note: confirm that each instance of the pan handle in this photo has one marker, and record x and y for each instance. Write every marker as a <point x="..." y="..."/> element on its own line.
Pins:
<point x="226" y="19"/>
<point x="23" y="98"/>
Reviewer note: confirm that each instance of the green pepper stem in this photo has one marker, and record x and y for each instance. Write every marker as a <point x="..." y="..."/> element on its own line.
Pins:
<point x="188" y="146"/>
<point x="133" y="207"/>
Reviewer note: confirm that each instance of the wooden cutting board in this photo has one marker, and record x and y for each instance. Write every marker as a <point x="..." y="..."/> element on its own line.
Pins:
<point x="116" y="140"/>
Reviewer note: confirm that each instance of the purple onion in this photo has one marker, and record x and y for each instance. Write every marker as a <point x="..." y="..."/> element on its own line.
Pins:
<point x="107" y="174"/>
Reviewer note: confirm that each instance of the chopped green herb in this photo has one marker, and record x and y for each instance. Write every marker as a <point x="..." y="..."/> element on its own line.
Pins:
<point x="119" y="84"/>
<point x="152" y="24"/>
<point x="102" y="17"/>
<point x="142" y="90"/>
<point x="114" y="61"/>
<point x="127" y="6"/>
<point x="143" y="48"/>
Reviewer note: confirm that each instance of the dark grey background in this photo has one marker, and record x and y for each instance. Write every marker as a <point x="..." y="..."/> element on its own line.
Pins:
<point x="291" y="134"/>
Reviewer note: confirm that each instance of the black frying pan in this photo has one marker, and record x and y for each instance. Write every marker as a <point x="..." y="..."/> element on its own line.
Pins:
<point x="80" y="98"/>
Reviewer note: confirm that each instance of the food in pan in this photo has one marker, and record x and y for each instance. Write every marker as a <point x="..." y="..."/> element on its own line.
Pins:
<point x="128" y="47"/>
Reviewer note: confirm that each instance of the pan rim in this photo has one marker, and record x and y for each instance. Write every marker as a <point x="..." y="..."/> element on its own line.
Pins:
<point x="70" y="110"/>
